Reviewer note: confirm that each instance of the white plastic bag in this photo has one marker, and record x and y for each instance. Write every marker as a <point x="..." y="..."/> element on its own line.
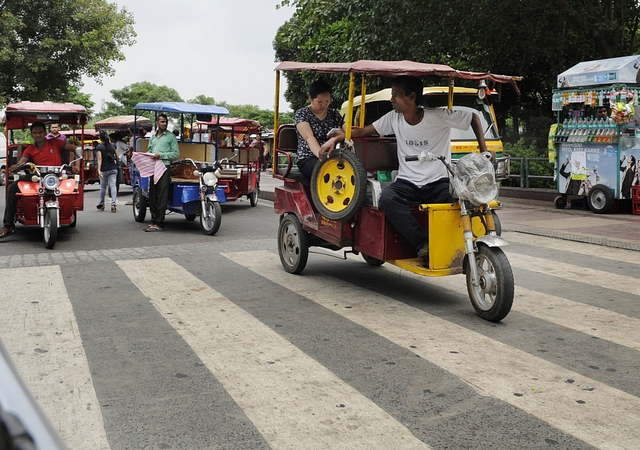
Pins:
<point x="474" y="179"/>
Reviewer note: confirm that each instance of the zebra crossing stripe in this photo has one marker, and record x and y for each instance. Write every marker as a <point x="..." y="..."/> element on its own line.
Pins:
<point x="293" y="401"/>
<point x="560" y="246"/>
<point x="570" y="272"/>
<point x="539" y="387"/>
<point x="590" y="320"/>
<point x="38" y="327"/>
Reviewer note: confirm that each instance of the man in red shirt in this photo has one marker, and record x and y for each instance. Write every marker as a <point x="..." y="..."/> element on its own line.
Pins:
<point x="43" y="152"/>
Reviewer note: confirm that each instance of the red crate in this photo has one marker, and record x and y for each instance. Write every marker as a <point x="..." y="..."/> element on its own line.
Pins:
<point x="635" y="193"/>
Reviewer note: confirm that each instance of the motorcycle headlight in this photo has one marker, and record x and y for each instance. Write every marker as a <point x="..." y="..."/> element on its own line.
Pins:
<point x="50" y="181"/>
<point x="210" y="179"/>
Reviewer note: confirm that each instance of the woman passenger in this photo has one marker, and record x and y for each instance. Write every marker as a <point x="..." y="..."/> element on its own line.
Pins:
<point x="313" y="123"/>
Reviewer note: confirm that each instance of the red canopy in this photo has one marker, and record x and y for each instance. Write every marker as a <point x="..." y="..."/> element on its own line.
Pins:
<point x="20" y="115"/>
<point x="397" y="68"/>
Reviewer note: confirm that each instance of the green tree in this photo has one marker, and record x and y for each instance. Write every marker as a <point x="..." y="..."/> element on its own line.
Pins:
<point x="537" y="40"/>
<point x="142" y="92"/>
<point x="47" y="46"/>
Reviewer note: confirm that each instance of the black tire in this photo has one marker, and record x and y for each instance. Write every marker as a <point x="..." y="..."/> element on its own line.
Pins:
<point x="190" y="217"/>
<point x="3" y="176"/>
<point x="332" y="182"/>
<point x="496" y="221"/>
<point x="253" y="197"/>
<point x="494" y="296"/>
<point x="139" y="206"/>
<point x="74" y="220"/>
<point x="293" y="244"/>
<point x="372" y="261"/>
<point x="50" y="228"/>
<point x="560" y="202"/>
<point x="600" y="199"/>
<point x="210" y="224"/>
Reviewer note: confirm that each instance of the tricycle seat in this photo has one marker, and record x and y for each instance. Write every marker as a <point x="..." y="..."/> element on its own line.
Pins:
<point x="231" y="173"/>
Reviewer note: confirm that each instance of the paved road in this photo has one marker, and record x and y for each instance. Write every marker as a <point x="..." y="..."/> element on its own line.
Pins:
<point x="186" y="341"/>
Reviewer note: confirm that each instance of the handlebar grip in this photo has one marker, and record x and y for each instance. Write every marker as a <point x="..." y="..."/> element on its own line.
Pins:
<point x="411" y="158"/>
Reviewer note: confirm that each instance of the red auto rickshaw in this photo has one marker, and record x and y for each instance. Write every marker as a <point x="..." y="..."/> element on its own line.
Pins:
<point x="53" y="195"/>
<point x="239" y="173"/>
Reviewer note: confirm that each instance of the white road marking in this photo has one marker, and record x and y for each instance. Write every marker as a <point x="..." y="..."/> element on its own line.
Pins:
<point x="598" y="414"/>
<point x="559" y="245"/>
<point x="293" y="401"/>
<point x="594" y="277"/>
<point x="38" y="327"/>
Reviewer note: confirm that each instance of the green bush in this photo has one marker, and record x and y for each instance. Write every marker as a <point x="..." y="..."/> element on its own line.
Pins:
<point x="521" y="150"/>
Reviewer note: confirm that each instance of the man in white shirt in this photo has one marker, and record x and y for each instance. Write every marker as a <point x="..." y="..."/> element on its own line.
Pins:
<point x="418" y="130"/>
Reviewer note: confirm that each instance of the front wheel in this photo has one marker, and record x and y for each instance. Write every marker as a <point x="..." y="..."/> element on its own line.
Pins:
<point x="253" y="197"/>
<point x="560" y="202"/>
<point x="211" y="218"/>
<point x="293" y="244"/>
<point x="50" y="228"/>
<point x="493" y="298"/>
<point x="139" y="206"/>
<point x="600" y="199"/>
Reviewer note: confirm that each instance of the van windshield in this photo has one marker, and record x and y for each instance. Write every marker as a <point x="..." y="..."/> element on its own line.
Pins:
<point x="466" y="103"/>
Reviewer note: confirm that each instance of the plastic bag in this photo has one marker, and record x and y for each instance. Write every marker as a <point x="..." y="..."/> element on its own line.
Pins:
<point x="474" y="179"/>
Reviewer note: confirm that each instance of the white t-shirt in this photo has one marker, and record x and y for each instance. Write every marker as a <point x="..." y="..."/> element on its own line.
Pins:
<point x="432" y="134"/>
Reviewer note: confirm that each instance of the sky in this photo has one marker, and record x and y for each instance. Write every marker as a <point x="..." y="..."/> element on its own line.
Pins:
<point x="220" y="49"/>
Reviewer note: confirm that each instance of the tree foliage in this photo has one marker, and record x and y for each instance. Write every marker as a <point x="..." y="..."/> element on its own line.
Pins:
<point x="142" y="92"/>
<point x="534" y="39"/>
<point x="145" y="92"/>
<point x="47" y="46"/>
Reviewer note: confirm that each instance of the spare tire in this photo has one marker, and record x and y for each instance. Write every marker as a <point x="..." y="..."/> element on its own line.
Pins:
<point x="339" y="186"/>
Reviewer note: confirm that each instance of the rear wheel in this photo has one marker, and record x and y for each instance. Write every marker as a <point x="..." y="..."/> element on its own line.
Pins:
<point x="293" y="244"/>
<point x="50" y="228"/>
<point x="3" y="176"/>
<point x="372" y="261"/>
<point x="74" y="219"/>
<point x="339" y="186"/>
<point x="493" y="298"/>
<point x="139" y="206"/>
<point x="600" y="199"/>
<point x="211" y="218"/>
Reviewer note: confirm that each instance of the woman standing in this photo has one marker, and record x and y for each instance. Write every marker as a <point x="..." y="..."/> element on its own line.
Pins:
<point x="313" y="124"/>
<point x="107" y="170"/>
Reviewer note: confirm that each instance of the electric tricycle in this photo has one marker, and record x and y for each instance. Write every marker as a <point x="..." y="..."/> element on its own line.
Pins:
<point x="194" y="189"/>
<point x="239" y="171"/>
<point x="338" y="208"/>
<point x="48" y="197"/>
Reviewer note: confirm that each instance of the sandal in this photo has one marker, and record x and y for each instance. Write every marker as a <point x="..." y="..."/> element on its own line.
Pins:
<point x="153" y="228"/>
<point x="6" y="231"/>
<point x="148" y="227"/>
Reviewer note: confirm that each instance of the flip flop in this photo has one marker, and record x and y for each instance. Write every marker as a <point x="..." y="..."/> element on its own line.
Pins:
<point x="7" y="232"/>
<point x="148" y="227"/>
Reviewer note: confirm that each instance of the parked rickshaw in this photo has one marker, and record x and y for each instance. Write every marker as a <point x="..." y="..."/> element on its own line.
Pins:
<point x="54" y="196"/>
<point x="123" y="126"/>
<point x="338" y="208"/>
<point x="239" y="173"/>
<point x="194" y="189"/>
<point x="85" y="139"/>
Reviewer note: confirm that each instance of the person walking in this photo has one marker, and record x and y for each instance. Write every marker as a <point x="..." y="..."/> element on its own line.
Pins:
<point x="107" y="170"/>
<point x="163" y="145"/>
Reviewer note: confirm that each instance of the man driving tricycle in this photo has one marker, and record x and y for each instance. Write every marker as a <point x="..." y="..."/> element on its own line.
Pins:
<point x="45" y="195"/>
<point x="415" y="223"/>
